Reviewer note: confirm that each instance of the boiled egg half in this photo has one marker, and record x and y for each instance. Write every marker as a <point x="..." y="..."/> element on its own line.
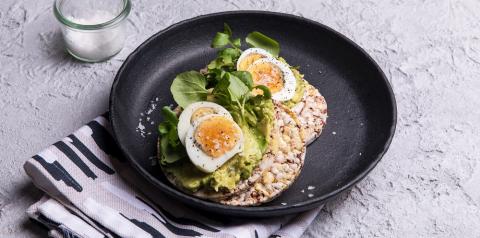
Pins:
<point x="268" y="71"/>
<point x="212" y="141"/>
<point x="251" y="55"/>
<point x="194" y="112"/>
<point x="276" y="75"/>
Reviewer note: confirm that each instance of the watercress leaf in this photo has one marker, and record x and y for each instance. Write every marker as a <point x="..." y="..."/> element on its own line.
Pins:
<point x="189" y="87"/>
<point x="229" y="52"/>
<point x="213" y="64"/>
<point x="237" y="42"/>
<point x="169" y="116"/>
<point x="220" y="40"/>
<point x="172" y="137"/>
<point x="226" y="29"/>
<point x="266" y="91"/>
<point x="245" y="77"/>
<point x="163" y="128"/>
<point x="236" y="88"/>
<point x="168" y="154"/>
<point x="213" y="77"/>
<point x="225" y="60"/>
<point x="257" y="39"/>
<point x="221" y="93"/>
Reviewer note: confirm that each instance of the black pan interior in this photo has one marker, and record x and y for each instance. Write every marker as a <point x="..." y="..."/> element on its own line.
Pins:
<point x="361" y="105"/>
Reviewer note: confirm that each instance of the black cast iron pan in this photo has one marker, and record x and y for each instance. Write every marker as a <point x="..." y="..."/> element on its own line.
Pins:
<point x="361" y="104"/>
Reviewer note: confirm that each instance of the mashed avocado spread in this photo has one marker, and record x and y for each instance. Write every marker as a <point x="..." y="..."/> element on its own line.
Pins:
<point x="237" y="168"/>
<point x="299" y="90"/>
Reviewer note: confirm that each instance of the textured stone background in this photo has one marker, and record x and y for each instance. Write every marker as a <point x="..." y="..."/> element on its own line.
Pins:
<point x="427" y="185"/>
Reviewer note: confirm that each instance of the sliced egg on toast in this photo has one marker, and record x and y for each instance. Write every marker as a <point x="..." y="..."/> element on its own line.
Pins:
<point x="276" y="75"/>
<point x="195" y="111"/>
<point x="212" y="141"/>
<point x="251" y="55"/>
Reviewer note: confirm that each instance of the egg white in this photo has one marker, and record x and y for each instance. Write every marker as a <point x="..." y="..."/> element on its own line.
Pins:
<point x="249" y="51"/>
<point x="199" y="158"/>
<point x="184" y="121"/>
<point x="289" y="80"/>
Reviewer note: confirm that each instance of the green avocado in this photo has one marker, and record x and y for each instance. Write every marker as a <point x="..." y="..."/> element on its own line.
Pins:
<point x="299" y="90"/>
<point x="237" y="168"/>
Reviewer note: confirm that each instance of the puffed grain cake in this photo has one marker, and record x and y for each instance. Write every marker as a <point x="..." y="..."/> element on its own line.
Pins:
<point x="281" y="164"/>
<point x="311" y="111"/>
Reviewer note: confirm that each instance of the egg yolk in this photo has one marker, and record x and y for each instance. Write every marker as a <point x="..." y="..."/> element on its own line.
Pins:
<point x="248" y="60"/>
<point x="267" y="74"/>
<point x="203" y="111"/>
<point x="216" y="136"/>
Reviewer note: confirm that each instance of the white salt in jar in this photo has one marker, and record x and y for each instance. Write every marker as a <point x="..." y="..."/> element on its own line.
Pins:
<point x="93" y="30"/>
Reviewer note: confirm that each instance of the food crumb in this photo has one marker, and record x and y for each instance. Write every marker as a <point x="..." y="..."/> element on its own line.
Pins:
<point x="145" y="129"/>
<point x="310" y="195"/>
<point x="311" y="187"/>
<point x="360" y="153"/>
<point x="141" y="129"/>
<point x="303" y="190"/>
<point x="284" y="203"/>
<point x="151" y="109"/>
<point x="334" y="133"/>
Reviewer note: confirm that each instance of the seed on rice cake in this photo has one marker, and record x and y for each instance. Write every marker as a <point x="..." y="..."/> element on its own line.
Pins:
<point x="281" y="164"/>
<point x="311" y="112"/>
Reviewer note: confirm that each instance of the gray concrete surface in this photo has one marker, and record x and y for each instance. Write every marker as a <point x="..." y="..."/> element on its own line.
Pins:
<point x="427" y="185"/>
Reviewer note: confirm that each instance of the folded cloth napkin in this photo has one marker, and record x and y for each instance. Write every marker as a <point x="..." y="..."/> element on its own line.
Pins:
<point x="92" y="192"/>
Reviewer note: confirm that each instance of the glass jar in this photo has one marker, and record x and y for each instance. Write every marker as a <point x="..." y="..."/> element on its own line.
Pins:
<point x="93" y="30"/>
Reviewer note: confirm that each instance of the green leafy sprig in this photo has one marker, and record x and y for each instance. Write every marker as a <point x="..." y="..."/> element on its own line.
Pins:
<point x="171" y="149"/>
<point x="224" y="38"/>
<point x="222" y="84"/>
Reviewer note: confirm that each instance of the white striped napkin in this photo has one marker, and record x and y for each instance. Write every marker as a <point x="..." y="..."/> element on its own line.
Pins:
<point x="92" y="192"/>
